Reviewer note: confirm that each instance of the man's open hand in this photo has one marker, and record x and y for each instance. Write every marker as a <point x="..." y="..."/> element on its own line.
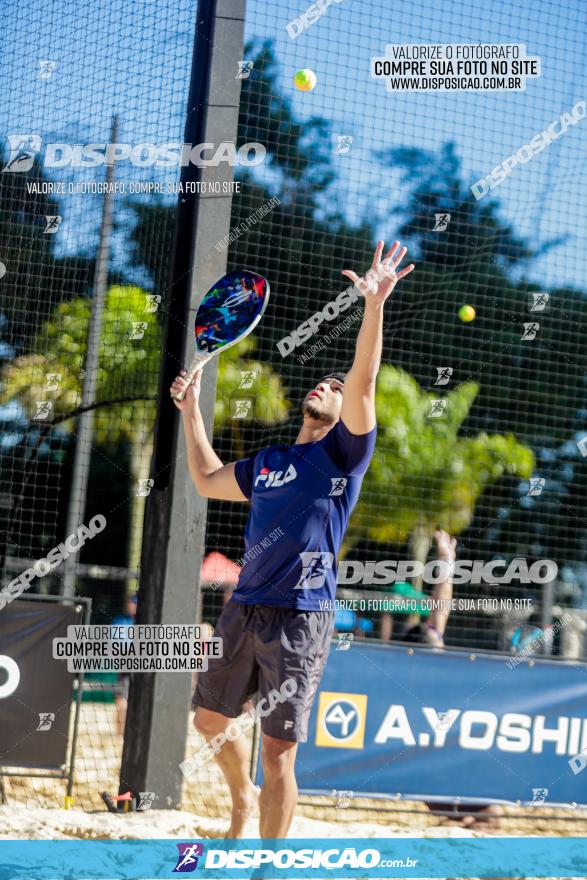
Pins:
<point x="446" y="546"/>
<point x="377" y="284"/>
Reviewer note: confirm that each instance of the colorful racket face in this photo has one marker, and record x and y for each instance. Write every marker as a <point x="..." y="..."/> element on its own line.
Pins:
<point x="230" y="310"/>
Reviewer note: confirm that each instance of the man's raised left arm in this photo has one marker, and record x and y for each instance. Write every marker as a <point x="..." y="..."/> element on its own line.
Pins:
<point x="358" y="402"/>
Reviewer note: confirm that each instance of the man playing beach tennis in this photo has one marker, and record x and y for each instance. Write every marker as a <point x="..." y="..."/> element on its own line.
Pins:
<point x="277" y="627"/>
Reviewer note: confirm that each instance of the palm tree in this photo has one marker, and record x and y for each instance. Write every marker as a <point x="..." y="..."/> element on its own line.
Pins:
<point x="127" y="382"/>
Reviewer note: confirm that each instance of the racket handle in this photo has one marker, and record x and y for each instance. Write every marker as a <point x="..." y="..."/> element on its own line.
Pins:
<point x="197" y="363"/>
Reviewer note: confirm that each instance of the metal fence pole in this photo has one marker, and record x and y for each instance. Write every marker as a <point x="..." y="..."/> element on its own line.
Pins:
<point x="175" y="516"/>
<point x="83" y="447"/>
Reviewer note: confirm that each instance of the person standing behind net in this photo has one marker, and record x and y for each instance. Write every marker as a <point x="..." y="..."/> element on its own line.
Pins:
<point x="432" y="633"/>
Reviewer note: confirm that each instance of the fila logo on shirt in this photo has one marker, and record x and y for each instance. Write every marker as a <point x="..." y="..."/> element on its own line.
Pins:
<point x="273" y="479"/>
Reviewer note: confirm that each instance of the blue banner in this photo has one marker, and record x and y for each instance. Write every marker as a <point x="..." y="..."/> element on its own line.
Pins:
<point x="446" y="725"/>
<point x="293" y="858"/>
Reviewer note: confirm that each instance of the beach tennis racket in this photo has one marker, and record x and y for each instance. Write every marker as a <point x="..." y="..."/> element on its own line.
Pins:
<point x="230" y="310"/>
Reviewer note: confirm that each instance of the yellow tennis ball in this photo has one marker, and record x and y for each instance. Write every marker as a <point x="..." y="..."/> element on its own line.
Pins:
<point x="467" y="313"/>
<point x="305" y="80"/>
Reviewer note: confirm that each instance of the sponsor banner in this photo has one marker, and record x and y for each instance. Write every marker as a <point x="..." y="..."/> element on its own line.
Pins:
<point x="317" y="857"/>
<point x="435" y="725"/>
<point x="34" y="708"/>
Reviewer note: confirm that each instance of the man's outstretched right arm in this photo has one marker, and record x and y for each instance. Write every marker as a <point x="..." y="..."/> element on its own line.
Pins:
<point x="211" y="478"/>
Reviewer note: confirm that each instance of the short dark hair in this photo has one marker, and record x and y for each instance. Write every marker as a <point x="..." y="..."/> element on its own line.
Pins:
<point x="340" y="377"/>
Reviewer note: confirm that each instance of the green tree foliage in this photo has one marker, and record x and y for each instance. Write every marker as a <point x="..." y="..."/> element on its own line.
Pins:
<point x="531" y="389"/>
<point x="503" y="388"/>
<point x="528" y="387"/>
<point x="271" y="405"/>
<point x="302" y="245"/>
<point x="433" y="476"/>
<point x="128" y="368"/>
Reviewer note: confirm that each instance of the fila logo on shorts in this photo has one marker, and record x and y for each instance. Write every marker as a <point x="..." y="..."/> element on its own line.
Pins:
<point x="274" y="479"/>
<point x="314" y="568"/>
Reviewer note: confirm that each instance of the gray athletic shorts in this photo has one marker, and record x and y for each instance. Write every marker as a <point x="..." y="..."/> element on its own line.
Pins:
<point x="263" y="646"/>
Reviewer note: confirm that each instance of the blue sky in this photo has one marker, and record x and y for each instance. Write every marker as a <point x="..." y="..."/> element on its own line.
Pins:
<point x="134" y="58"/>
<point x="542" y="199"/>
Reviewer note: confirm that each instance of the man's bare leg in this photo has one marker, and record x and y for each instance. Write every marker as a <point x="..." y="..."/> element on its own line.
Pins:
<point x="233" y="760"/>
<point x="279" y="793"/>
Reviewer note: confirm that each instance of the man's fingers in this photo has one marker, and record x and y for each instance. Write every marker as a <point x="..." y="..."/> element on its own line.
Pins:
<point x="399" y="257"/>
<point x="405" y="272"/>
<point x="391" y="251"/>
<point x="178" y="384"/>
<point x="390" y="263"/>
<point x="377" y="255"/>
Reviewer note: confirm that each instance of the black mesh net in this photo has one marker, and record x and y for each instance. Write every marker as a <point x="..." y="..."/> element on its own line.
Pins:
<point x="481" y="394"/>
<point x="81" y="81"/>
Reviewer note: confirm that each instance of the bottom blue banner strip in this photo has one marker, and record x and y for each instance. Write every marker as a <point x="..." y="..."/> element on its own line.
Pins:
<point x="294" y="858"/>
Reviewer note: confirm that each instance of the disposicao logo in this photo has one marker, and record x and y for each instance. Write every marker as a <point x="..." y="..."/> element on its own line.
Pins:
<point x="187" y="860"/>
<point x="24" y="148"/>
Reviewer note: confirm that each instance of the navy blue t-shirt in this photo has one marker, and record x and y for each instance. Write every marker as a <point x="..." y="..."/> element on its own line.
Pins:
<point x="301" y="500"/>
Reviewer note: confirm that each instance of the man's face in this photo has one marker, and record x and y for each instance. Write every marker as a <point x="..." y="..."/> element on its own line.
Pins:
<point x="324" y="402"/>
